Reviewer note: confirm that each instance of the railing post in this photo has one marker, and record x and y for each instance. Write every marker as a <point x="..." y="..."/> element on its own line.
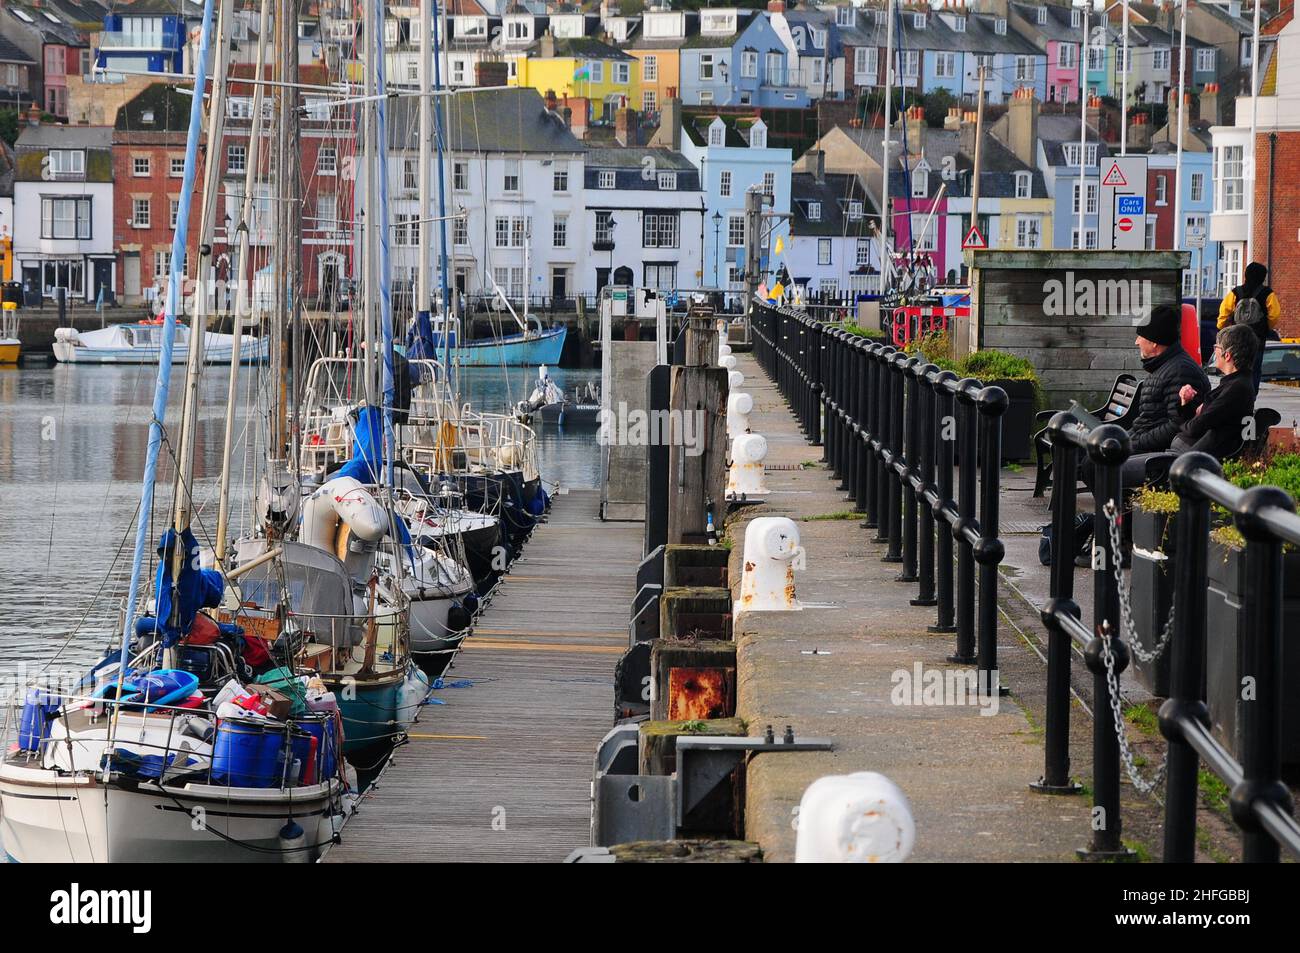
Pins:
<point x="1056" y="723"/>
<point x="1108" y="447"/>
<point x="967" y="451"/>
<point x="925" y="462"/>
<point x="991" y="403"/>
<point x="861" y="431"/>
<point x="818" y="332"/>
<point x="880" y="444"/>
<point x="1260" y="656"/>
<point x="911" y="425"/>
<point x="894" y="482"/>
<point x="1187" y="658"/>
<point x="945" y="429"/>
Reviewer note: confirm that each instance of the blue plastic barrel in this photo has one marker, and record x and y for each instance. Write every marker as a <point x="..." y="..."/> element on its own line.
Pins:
<point x="327" y="745"/>
<point x="34" y="723"/>
<point x="245" y="754"/>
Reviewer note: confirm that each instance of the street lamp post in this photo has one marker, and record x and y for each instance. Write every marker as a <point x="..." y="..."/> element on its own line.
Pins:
<point x="717" y="230"/>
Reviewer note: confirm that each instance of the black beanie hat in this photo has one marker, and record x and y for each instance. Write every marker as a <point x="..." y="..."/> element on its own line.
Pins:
<point x="1163" y="326"/>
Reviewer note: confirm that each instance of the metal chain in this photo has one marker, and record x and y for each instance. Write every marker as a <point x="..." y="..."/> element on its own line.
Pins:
<point x="1127" y="625"/>
<point x="1121" y="734"/>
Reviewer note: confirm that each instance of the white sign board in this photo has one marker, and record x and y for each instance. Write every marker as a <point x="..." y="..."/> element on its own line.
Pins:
<point x="1122" y="203"/>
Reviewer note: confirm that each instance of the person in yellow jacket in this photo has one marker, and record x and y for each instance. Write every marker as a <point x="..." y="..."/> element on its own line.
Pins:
<point x="1253" y="286"/>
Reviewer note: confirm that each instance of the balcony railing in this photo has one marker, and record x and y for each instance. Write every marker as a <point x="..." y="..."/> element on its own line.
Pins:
<point x="119" y="40"/>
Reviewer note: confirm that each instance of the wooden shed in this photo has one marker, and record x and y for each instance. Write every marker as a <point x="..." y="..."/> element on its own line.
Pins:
<point x="1072" y="313"/>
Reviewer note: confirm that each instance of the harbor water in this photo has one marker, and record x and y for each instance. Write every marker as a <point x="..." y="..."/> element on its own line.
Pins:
<point x="72" y="450"/>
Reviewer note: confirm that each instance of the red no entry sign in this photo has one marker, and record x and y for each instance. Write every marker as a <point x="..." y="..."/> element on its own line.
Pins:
<point x="1124" y="224"/>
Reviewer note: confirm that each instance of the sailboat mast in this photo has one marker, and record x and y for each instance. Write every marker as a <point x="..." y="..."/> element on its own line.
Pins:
<point x="439" y="149"/>
<point x="385" y="276"/>
<point x="884" y="145"/>
<point x="242" y="273"/>
<point x="424" y="150"/>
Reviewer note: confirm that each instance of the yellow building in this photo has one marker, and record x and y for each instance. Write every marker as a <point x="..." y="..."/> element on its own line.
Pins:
<point x="582" y="67"/>
<point x="660" y="76"/>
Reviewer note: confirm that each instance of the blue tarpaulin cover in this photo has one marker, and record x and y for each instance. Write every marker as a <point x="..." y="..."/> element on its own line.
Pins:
<point x="195" y="589"/>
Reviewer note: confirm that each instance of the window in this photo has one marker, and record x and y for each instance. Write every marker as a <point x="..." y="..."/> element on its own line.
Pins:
<point x="1162" y="190"/>
<point x="458" y="72"/>
<point x="1189" y="284"/>
<point x="1096" y="59"/>
<point x="817" y="78"/>
<point x="650" y="69"/>
<point x="236" y="155"/>
<point x="140" y="217"/>
<point x="862" y="255"/>
<point x="560" y="178"/>
<point x="1121" y="61"/>
<point x="918" y="21"/>
<point x="604" y="228"/>
<point x="923" y="237"/>
<point x="327" y="161"/>
<point x="510" y="281"/>
<point x="828" y="286"/>
<point x="660" y="230"/>
<point x="412" y="71"/>
<point x="749" y="64"/>
<point x="823" y="251"/>
<point x="814" y="211"/>
<point x="508" y="231"/>
<point x="959" y="24"/>
<point x="716" y="133"/>
<point x="774" y="69"/>
<point x="460" y="176"/>
<point x="65" y="218"/>
<point x="173" y="212"/>
<point x="1066" y="56"/>
<point x="911" y="63"/>
<point x="1071" y="153"/>
<point x="410" y="174"/>
<point x="177" y="167"/>
<point x="758" y="137"/>
<point x="1195" y="224"/>
<point x="622" y="73"/>
<point x="67" y="163"/>
<point x="510" y="181"/>
<point x="1197" y="186"/>
<point x="1149" y="233"/>
<point x="1091" y="206"/>
<point x="1000" y="26"/>
<point x="560" y="231"/>
<point x="1160" y="61"/>
<point x="920" y="183"/>
<point x="945" y="65"/>
<point x="139" y="165"/>
<point x="668" y="181"/>
<point x="327" y="213"/>
<point x="866" y="61"/>
<point x="649" y="101"/>
<point x="405" y="229"/>
<point x="1024" y="184"/>
<point x="855" y="210"/>
<point x="162" y="264"/>
<point x="1205" y="61"/>
<point x="1027" y="231"/>
<point x="1247" y="45"/>
<point x="1042" y="16"/>
<point x="518" y="29"/>
<point x="1089" y="238"/>
<point x="597" y="71"/>
<point x="769" y="183"/>
<point x="1230" y="276"/>
<point x="459" y="231"/>
<point x="724" y="184"/>
<point x="1230" y="172"/>
<point x="735" y="231"/>
<point x="706" y="67"/>
<point x="844" y="16"/>
<point x="605" y="179"/>
<point x="1076" y="18"/>
<point x="1024" y="69"/>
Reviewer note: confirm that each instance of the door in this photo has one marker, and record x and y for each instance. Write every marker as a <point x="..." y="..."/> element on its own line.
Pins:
<point x="329" y="283"/>
<point x="103" y="281"/>
<point x="602" y="278"/>
<point x="131" y="277"/>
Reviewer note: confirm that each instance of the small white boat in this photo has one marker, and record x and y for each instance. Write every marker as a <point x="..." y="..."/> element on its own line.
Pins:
<point x="141" y="343"/>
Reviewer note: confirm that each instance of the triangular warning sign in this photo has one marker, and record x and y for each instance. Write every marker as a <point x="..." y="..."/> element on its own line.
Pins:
<point x="1114" y="176"/>
<point x="974" y="239"/>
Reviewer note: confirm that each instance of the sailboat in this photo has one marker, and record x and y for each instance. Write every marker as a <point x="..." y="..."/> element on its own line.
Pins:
<point x="169" y="748"/>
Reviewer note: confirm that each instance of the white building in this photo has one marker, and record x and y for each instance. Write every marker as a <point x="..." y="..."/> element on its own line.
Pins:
<point x="645" y="216"/>
<point x="832" y="246"/>
<point x="63" y="193"/>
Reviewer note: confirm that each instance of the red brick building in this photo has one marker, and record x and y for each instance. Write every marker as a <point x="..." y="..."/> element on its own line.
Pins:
<point x="148" y="163"/>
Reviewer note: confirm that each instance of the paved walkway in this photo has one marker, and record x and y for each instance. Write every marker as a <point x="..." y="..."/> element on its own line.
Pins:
<point x="966" y="774"/>
<point x="502" y="771"/>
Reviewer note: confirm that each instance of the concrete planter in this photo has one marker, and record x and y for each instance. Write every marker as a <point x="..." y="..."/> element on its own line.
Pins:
<point x="1018" y="421"/>
<point x="1225" y="624"/>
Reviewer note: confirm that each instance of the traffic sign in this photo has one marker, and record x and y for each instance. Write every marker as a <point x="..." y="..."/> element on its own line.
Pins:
<point x="1124" y="224"/>
<point x="974" y="239"/>
<point x="1122" y="203"/>
<point x="1131" y="204"/>
<point x="1115" y="177"/>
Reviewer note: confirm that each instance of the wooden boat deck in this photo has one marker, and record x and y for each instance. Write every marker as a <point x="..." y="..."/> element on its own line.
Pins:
<point x="502" y="771"/>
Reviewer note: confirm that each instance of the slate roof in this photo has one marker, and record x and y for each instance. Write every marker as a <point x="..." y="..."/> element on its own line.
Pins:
<point x="58" y="136"/>
<point x="696" y="126"/>
<point x="582" y="47"/>
<point x="834" y="192"/>
<point x="489" y="120"/>
<point x="633" y="157"/>
<point x="169" y="106"/>
<point x="11" y="54"/>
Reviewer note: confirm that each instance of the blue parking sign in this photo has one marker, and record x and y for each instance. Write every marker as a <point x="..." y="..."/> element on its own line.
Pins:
<point x="1132" y="205"/>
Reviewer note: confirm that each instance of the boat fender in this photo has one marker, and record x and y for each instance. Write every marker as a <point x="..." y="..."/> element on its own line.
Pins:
<point x="293" y="841"/>
<point x="346" y="500"/>
<point x="66" y="335"/>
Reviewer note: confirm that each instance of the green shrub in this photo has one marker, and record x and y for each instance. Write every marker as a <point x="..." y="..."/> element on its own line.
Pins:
<point x="875" y="334"/>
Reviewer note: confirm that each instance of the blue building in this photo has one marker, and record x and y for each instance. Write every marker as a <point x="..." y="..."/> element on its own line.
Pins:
<point x="732" y="155"/>
<point x="736" y="58"/>
<point x="147" y="36"/>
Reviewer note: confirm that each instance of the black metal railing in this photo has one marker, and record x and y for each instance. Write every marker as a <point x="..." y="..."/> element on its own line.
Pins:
<point x="899" y="435"/>
<point x="1260" y="802"/>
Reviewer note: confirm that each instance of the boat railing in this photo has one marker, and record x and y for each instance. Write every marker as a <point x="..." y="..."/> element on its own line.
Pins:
<point x="138" y="744"/>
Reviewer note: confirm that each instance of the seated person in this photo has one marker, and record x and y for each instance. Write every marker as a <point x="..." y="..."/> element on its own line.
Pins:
<point x="1215" y="422"/>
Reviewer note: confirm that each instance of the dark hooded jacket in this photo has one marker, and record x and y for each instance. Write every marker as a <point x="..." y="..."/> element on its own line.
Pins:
<point x="1159" y="409"/>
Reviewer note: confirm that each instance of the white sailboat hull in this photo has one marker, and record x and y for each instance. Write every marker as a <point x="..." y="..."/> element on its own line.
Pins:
<point x="53" y="818"/>
<point x="140" y="344"/>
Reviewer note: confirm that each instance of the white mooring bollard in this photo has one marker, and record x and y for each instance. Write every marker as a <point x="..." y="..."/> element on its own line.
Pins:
<point x="734" y="380"/>
<point x="739" y="406"/>
<point x="860" y="818"/>
<point x="745" y="475"/>
<point x="723" y="349"/>
<point x="772" y="553"/>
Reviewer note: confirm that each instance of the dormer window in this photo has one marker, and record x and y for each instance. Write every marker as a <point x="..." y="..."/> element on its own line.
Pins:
<point x="959" y="24"/>
<point x="918" y="21"/>
<point x="920" y="182"/>
<point x="717" y="23"/>
<point x="1000" y="26"/>
<point x="1076" y="18"/>
<point x="567" y="27"/>
<point x="717" y="133"/>
<point x="1042" y="16"/>
<point x="519" y="29"/>
<point x="1024" y="185"/>
<point x="814" y="211"/>
<point x="855" y="210"/>
<point x="844" y="16"/>
<point x="664" y="24"/>
<point x="758" y="136"/>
